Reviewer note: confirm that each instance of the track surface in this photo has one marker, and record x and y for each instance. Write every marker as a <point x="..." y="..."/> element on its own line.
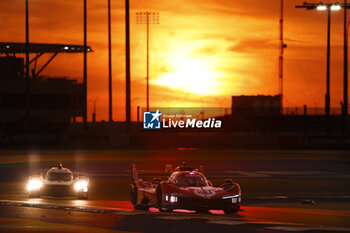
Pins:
<point x="268" y="178"/>
<point x="119" y="215"/>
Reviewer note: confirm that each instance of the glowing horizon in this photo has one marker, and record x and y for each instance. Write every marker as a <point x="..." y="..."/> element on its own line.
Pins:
<point x="201" y="53"/>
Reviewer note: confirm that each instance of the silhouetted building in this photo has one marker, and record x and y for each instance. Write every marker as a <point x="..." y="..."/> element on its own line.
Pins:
<point x="53" y="102"/>
<point x="245" y="105"/>
<point x="11" y="68"/>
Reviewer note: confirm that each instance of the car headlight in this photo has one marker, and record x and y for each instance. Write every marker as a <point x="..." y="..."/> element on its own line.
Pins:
<point x="171" y="198"/>
<point x="234" y="198"/>
<point x="34" y="184"/>
<point x="81" y="185"/>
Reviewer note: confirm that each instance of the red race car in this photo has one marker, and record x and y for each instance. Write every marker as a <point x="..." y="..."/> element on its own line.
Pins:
<point x="185" y="188"/>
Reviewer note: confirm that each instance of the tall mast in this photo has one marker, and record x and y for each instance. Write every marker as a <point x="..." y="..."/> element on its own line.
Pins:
<point x="282" y="46"/>
<point x="110" y="104"/>
<point x="345" y="101"/>
<point x="127" y="67"/>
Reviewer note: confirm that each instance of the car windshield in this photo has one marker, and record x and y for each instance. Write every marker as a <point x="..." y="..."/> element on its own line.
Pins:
<point x="190" y="179"/>
<point x="59" y="176"/>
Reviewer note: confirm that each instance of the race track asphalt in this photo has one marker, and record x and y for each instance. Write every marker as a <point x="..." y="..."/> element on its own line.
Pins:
<point x="274" y="184"/>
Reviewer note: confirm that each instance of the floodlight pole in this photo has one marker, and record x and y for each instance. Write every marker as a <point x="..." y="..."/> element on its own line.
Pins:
<point x="27" y="112"/>
<point x="282" y="46"/>
<point x="85" y="66"/>
<point x="110" y="63"/>
<point x="139" y="19"/>
<point x="328" y="97"/>
<point x="345" y="82"/>
<point x="127" y="67"/>
<point x="329" y="7"/>
<point x="147" y="22"/>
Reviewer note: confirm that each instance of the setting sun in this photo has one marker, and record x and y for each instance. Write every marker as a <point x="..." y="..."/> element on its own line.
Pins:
<point x="196" y="75"/>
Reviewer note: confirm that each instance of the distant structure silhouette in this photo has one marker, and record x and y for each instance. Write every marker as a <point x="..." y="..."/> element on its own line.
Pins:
<point x="54" y="102"/>
<point x="245" y="105"/>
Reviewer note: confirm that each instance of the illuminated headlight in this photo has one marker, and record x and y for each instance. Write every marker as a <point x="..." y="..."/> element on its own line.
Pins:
<point x="170" y="198"/>
<point x="173" y="199"/>
<point x="235" y="198"/>
<point x="34" y="184"/>
<point x="81" y="186"/>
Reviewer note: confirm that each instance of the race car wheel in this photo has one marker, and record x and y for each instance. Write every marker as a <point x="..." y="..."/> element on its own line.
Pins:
<point x="83" y="196"/>
<point x="231" y="210"/>
<point x="159" y="196"/>
<point x="133" y="198"/>
<point x="34" y="195"/>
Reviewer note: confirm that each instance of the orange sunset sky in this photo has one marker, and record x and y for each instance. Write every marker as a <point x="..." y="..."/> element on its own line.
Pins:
<point x="202" y="53"/>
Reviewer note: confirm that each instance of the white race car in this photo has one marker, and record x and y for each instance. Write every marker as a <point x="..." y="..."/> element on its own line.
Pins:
<point x="59" y="181"/>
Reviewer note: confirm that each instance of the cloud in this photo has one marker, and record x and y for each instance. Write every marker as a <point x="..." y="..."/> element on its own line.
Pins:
<point x="208" y="50"/>
<point x="252" y="45"/>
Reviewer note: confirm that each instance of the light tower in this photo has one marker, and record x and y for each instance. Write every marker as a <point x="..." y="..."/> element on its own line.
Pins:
<point x="27" y="91"/>
<point x="85" y="65"/>
<point x="345" y="82"/>
<point x="127" y="68"/>
<point x="323" y="7"/>
<point x="282" y="47"/>
<point x="147" y="18"/>
<point x="110" y="104"/>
